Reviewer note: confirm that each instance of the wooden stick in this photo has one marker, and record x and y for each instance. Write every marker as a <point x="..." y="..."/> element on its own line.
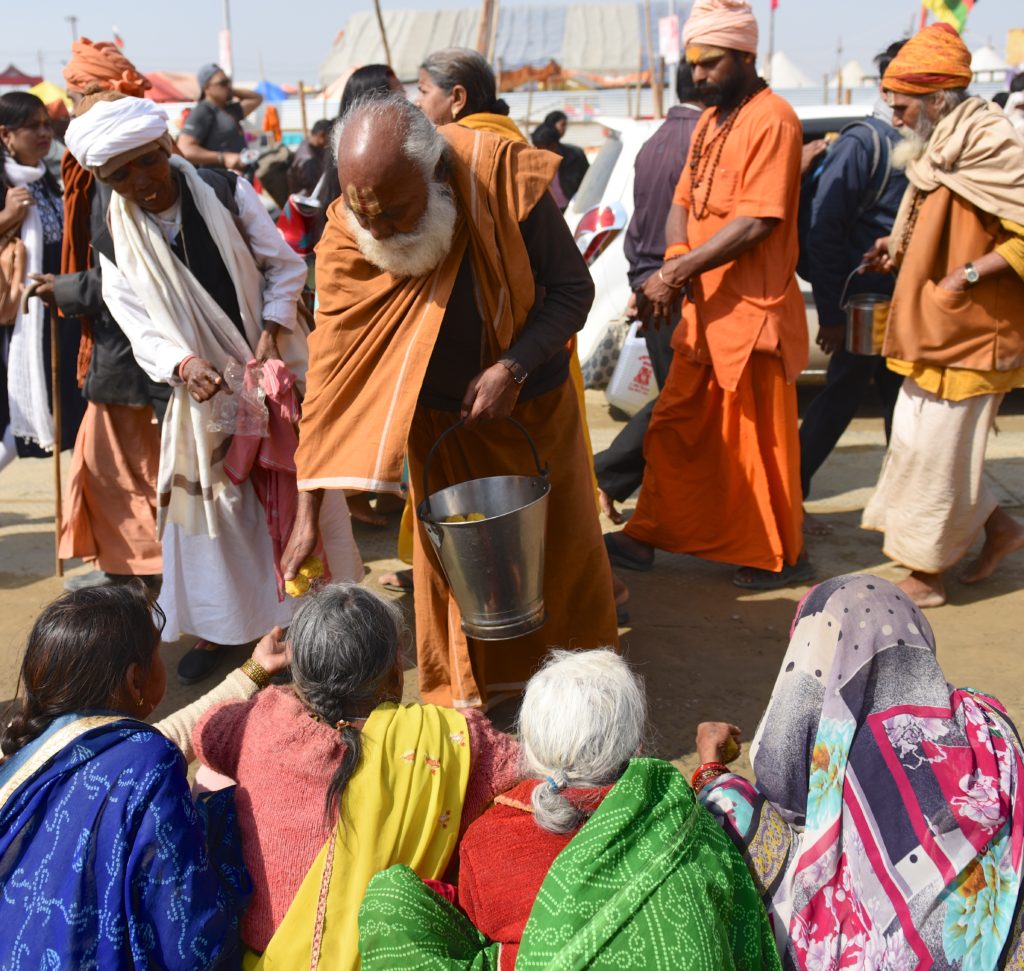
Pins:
<point x="58" y="496"/>
<point x="383" y="34"/>
<point x="302" y="110"/>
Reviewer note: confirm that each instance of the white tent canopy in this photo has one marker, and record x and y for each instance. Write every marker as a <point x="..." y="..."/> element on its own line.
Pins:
<point x="783" y="73"/>
<point x="987" y="65"/>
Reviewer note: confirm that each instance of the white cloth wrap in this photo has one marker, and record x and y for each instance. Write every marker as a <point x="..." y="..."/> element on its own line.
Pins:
<point x="932" y="500"/>
<point x="191" y="457"/>
<point x="110" y="128"/>
<point x="26" y="369"/>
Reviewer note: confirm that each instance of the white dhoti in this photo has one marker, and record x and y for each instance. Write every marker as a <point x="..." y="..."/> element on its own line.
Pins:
<point x="932" y="500"/>
<point x="225" y="589"/>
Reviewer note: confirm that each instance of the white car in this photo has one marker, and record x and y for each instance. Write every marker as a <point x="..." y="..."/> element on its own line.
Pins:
<point x="605" y="199"/>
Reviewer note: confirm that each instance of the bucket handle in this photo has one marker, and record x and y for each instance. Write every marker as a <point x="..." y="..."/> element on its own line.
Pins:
<point x="424" y="512"/>
<point x="843" y="302"/>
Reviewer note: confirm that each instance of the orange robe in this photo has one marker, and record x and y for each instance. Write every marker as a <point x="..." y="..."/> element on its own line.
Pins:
<point x="368" y="356"/>
<point x="722" y="479"/>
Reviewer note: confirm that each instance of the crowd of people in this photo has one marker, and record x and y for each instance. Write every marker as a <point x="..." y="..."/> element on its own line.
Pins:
<point x="224" y="437"/>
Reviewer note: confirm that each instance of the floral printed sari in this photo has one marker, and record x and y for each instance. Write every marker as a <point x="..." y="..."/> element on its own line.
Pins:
<point x="886" y="823"/>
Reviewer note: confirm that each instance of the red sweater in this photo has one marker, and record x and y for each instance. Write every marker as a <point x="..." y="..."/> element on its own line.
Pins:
<point x="505" y="857"/>
<point x="283" y="760"/>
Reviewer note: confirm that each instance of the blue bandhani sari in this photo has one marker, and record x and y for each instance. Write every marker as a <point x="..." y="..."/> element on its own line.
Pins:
<point x="106" y="862"/>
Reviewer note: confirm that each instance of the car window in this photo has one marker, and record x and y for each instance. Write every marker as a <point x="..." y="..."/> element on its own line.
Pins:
<point x="596" y="180"/>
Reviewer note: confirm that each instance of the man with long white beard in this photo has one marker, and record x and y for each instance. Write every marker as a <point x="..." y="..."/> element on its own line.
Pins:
<point x="449" y="287"/>
<point x="955" y="328"/>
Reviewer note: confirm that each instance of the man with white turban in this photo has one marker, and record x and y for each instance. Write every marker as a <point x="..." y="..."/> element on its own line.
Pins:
<point x="197" y="276"/>
<point x="722" y="479"/>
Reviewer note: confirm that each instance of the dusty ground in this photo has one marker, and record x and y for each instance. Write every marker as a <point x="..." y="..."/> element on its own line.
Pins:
<point x="707" y="649"/>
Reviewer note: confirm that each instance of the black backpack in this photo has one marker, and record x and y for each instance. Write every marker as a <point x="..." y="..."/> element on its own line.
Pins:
<point x="809" y="187"/>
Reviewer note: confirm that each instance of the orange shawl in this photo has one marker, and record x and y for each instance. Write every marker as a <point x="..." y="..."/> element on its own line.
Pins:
<point x="375" y="332"/>
<point x="75" y="249"/>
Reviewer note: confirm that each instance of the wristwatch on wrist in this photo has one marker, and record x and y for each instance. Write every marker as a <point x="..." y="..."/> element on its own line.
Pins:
<point x="514" y="368"/>
<point x="971" y="274"/>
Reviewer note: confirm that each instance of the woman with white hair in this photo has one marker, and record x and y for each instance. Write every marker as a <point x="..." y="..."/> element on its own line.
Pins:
<point x="598" y="857"/>
<point x="197" y="276"/>
<point x="337" y="779"/>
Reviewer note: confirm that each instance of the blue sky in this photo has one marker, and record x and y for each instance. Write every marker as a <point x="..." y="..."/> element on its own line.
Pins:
<point x="291" y="39"/>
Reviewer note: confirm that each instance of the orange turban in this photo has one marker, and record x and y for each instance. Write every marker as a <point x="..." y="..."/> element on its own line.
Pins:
<point x="729" y="24"/>
<point x="104" y="65"/>
<point x="935" y="59"/>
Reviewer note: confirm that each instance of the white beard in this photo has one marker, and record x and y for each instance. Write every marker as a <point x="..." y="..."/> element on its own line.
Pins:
<point x="908" y="149"/>
<point x="416" y="253"/>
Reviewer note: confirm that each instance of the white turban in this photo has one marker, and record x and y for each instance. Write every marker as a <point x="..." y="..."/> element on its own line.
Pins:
<point x="116" y="130"/>
<point x="729" y="24"/>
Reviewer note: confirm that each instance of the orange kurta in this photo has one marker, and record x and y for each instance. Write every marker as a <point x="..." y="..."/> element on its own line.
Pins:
<point x="723" y="459"/>
<point x="110" y="509"/>
<point x="368" y="356"/>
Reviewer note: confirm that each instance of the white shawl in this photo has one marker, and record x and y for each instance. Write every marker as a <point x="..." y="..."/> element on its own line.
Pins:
<point x="26" y="369"/>
<point x="191" y="475"/>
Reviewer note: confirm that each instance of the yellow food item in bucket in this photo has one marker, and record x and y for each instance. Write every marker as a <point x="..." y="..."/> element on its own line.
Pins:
<point x="470" y="517"/>
<point x="312" y="568"/>
<point x="730" y="750"/>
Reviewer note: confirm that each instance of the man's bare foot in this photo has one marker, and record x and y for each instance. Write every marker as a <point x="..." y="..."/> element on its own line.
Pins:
<point x="815" y="526"/>
<point x="925" y="589"/>
<point x="607" y="504"/>
<point x="360" y="508"/>
<point x="1003" y="536"/>
<point x="400" y="581"/>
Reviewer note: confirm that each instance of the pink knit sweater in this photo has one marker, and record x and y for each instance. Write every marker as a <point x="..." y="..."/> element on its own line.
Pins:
<point x="283" y="760"/>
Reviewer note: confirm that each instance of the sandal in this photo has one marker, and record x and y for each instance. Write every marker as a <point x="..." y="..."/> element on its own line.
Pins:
<point x="788" y="576"/>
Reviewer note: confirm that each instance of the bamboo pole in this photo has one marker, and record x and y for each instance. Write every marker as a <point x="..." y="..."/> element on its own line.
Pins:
<point x="302" y="109"/>
<point x="58" y="493"/>
<point x="492" y="41"/>
<point x="652" y="60"/>
<point x="483" y="30"/>
<point x="383" y="33"/>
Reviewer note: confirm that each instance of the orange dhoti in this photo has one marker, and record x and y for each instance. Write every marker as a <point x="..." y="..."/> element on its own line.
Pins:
<point x="723" y="467"/>
<point x="110" y="511"/>
<point x="465" y="672"/>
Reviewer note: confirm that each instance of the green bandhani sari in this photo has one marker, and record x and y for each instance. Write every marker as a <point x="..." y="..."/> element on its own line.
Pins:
<point x="651" y="882"/>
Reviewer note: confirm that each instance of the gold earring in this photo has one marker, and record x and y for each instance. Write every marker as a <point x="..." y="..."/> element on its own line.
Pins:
<point x="142" y="701"/>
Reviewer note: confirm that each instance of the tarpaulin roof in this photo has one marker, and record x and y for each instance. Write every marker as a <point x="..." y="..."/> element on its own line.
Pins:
<point x="48" y="92"/>
<point x="270" y="91"/>
<point x="13" y="78"/>
<point x="598" y="38"/>
<point x="172" y="86"/>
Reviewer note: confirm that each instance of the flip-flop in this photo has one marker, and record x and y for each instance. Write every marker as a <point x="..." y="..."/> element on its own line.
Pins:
<point x="405" y="582"/>
<point x="788" y="576"/>
<point x="621" y="558"/>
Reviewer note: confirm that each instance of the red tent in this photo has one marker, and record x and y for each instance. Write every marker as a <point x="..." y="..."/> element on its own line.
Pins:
<point x="13" y="78"/>
<point x="171" y="86"/>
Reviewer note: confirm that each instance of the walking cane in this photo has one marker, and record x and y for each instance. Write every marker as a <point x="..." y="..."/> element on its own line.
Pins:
<point x="58" y="499"/>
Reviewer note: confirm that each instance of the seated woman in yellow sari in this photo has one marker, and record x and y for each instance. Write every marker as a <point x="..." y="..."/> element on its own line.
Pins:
<point x="337" y="779"/>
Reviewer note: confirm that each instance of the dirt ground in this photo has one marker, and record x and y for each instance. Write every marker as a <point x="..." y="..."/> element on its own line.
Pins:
<point x="706" y="649"/>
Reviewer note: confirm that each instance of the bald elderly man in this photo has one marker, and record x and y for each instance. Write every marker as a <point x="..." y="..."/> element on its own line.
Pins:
<point x="449" y="288"/>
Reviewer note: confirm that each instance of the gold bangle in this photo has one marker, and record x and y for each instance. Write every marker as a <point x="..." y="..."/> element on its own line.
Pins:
<point x="671" y="286"/>
<point x="256" y="672"/>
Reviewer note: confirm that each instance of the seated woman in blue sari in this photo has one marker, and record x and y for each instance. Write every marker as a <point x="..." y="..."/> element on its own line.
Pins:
<point x="105" y="861"/>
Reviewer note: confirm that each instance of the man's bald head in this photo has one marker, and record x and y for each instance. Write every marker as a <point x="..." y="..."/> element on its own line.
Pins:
<point x="388" y="154"/>
<point x="399" y="206"/>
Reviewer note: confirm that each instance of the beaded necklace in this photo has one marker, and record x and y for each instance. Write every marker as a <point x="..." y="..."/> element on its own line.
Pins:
<point x="701" y="159"/>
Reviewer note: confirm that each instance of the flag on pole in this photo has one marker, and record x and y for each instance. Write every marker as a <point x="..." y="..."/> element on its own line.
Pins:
<point x="775" y="5"/>
<point x="952" y="12"/>
<point x="118" y="39"/>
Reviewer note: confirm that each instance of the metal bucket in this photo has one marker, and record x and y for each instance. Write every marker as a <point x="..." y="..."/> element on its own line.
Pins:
<point x="494" y="566"/>
<point x="867" y="316"/>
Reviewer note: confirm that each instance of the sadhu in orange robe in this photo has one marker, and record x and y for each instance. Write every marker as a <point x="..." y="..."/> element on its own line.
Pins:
<point x="722" y="479"/>
<point x="369" y="355"/>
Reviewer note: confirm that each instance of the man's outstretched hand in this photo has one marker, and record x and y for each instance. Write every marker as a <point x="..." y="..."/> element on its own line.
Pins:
<point x="304" y="534"/>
